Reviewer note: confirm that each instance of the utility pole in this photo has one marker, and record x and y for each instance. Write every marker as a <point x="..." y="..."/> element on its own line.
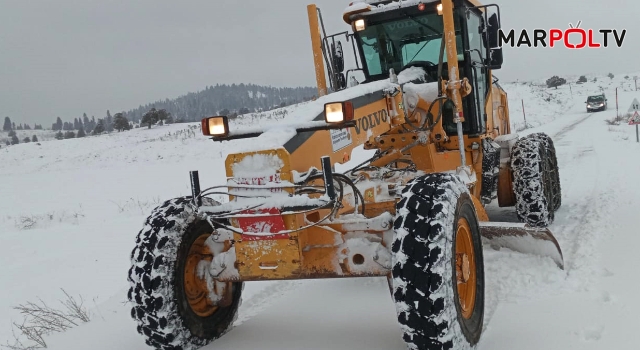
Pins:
<point x="526" y="126"/>
<point x="617" y="116"/>
<point x="636" y="80"/>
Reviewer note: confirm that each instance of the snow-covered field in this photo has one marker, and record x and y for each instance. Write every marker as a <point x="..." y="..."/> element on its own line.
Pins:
<point x="70" y="211"/>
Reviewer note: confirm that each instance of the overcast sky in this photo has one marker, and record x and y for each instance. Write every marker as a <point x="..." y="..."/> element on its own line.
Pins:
<point x="63" y="58"/>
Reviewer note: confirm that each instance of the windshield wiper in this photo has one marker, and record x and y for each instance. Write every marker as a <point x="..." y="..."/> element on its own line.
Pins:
<point x="414" y="56"/>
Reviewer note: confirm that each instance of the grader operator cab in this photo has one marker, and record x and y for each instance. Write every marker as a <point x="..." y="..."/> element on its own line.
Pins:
<point x="431" y="108"/>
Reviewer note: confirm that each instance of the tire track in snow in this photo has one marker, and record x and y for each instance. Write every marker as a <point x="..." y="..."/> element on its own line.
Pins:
<point x="587" y="193"/>
<point x="560" y="134"/>
<point x="513" y="276"/>
<point x="263" y="298"/>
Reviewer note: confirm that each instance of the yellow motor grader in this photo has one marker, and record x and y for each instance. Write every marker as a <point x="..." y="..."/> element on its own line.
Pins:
<point x="436" y="123"/>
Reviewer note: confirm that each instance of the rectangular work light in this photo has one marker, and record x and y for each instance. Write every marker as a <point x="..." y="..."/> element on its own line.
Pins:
<point x="338" y="112"/>
<point x="360" y="25"/>
<point x="215" y="126"/>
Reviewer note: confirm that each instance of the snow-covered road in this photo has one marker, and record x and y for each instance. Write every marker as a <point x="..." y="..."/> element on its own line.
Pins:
<point x="530" y="303"/>
<point x="594" y="305"/>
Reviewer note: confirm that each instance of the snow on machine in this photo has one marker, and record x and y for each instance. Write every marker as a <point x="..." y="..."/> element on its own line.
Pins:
<point x="431" y="108"/>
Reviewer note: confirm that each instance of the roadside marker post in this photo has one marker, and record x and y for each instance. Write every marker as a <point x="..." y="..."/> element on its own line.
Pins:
<point x="617" y="114"/>
<point x="526" y="126"/>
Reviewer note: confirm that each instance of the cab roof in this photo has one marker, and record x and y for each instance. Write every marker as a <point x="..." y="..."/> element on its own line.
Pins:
<point x="378" y="6"/>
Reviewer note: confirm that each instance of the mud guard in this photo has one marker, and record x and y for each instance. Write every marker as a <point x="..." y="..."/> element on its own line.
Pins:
<point x="523" y="239"/>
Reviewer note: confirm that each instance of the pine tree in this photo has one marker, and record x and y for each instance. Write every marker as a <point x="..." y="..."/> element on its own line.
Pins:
<point x="99" y="129"/>
<point x="59" y="135"/>
<point x="108" y="122"/>
<point x="13" y="125"/>
<point x="7" y="124"/>
<point x="26" y="140"/>
<point x="57" y="125"/>
<point x="11" y="133"/>
<point x="69" y="134"/>
<point x="14" y="140"/>
<point x="81" y="133"/>
<point x="87" y="124"/>
<point x="150" y="117"/>
<point x="34" y="139"/>
<point x="555" y="81"/>
<point x="20" y="127"/>
<point x="162" y="115"/>
<point x="120" y="123"/>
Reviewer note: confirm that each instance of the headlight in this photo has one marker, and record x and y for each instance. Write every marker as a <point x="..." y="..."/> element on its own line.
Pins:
<point x="338" y="112"/>
<point x="215" y="126"/>
<point x="360" y="25"/>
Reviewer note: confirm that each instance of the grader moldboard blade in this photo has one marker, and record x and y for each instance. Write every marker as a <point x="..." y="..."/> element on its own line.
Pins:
<point x="523" y="239"/>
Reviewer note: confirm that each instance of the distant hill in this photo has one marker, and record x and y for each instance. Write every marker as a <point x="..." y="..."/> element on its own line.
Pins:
<point x="230" y="99"/>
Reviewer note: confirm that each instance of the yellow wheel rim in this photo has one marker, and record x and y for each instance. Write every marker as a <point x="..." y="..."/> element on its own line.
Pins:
<point x="195" y="287"/>
<point x="465" y="268"/>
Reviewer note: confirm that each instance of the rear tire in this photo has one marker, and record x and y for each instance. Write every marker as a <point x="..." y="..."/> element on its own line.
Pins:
<point x="439" y="295"/>
<point x="553" y="164"/>
<point x="158" y="279"/>
<point x="533" y="181"/>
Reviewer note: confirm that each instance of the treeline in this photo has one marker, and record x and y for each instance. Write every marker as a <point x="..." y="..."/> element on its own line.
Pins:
<point x="9" y="125"/>
<point x="85" y="126"/>
<point x="229" y="100"/>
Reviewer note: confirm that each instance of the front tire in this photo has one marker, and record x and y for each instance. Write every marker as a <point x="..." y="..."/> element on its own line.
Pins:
<point x="438" y="270"/>
<point x="172" y="306"/>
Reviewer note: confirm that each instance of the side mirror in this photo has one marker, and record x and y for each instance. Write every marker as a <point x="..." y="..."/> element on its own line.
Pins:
<point x="495" y="57"/>
<point x="341" y="81"/>
<point x="337" y="65"/>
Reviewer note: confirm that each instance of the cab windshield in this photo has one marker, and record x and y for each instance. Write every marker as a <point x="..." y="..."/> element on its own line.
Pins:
<point x="595" y="99"/>
<point x="394" y="44"/>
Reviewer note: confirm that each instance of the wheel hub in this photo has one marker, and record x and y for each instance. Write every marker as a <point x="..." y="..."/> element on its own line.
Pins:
<point x="198" y="284"/>
<point x="463" y="268"/>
